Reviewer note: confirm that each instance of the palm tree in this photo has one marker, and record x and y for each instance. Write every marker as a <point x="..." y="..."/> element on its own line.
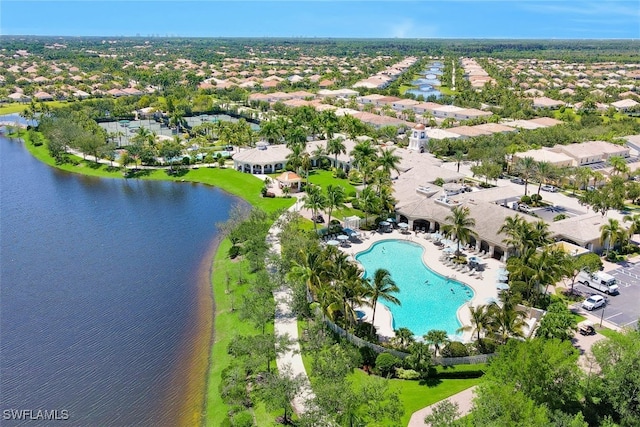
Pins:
<point x="634" y="227"/>
<point x="611" y="233"/>
<point x="479" y="320"/>
<point x="336" y="146"/>
<point x="363" y="155"/>
<point x="294" y="159"/>
<point x="619" y="164"/>
<point x="404" y="338"/>
<point x="544" y="171"/>
<point x="389" y="161"/>
<point x="305" y="164"/>
<point x="335" y="199"/>
<point x="459" y="225"/>
<point x="380" y="286"/>
<point x="368" y="202"/>
<point x="271" y="131"/>
<point x="527" y="168"/>
<point x="296" y="136"/>
<point x="436" y="338"/>
<point x="314" y="200"/>
<point x="310" y="271"/>
<point x="458" y="156"/>
<point x="506" y="322"/>
<point x="582" y="176"/>
<point x="512" y="227"/>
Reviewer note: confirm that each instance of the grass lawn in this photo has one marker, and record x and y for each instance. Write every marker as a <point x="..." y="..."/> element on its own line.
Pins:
<point x="414" y="395"/>
<point x="227" y="324"/>
<point x="609" y="333"/>
<point x="324" y="178"/>
<point x="19" y="107"/>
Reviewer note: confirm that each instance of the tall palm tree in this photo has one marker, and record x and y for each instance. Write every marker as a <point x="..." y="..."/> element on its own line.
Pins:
<point x="271" y="131"/>
<point x="335" y="199"/>
<point x="404" y="338"/>
<point x="369" y="202"/>
<point x="309" y="271"/>
<point x="611" y="234"/>
<point x="619" y="164"/>
<point x="294" y="159"/>
<point x="296" y="136"/>
<point x="459" y="225"/>
<point x="336" y="146"/>
<point x="389" y="161"/>
<point x="512" y="227"/>
<point x="527" y="168"/>
<point x="436" y="338"/>
<point x="582" y="176"/>
<point x="458" y="156"/>
<point x="479" y="317"/>
<point x="314" y="200"/>
<point x="634" y="227"/>
<point x="544" y="171"/>
<point x="380" y="286"/>
<point x="506" y="322"/>
<point x="364" y="154"/>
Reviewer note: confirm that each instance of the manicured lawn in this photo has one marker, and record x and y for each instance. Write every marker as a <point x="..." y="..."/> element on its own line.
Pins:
<point x="609" y="333"/>
<point x="19" y="107"/>
<point x="228" y="325"/>
<point x="415" y="395"/>
<point x="243" y="185"/>
<point x="324" y="178"/>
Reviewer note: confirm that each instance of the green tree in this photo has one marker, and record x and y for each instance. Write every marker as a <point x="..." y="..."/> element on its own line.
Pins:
<point x="436" y="338"/>
<point x="459" y="225"/>
<point x="380" y="286"/>
<point x="611" y="234"/>
<point x="389" y="161"/>
<point x="444" y="414"/>
<point x="619" y="379"/>
<point x="558" y="323"/>
<point x="527" y="168"/>
<point x="278" y="390"/>
<point x="314" y="200"/>
<point x="336" y="146"/>
<point x="335" y="199"/>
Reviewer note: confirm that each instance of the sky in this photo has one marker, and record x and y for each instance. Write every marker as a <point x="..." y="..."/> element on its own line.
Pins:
<point x="527" y="19"/>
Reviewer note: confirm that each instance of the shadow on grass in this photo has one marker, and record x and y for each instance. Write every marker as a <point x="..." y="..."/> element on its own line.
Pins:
<point x="133" y="173"/>
<point x="177" y="172"/>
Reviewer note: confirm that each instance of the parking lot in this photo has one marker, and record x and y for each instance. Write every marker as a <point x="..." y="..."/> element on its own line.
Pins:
<point x="623" y="309"/>
<point x="548" y="213"/>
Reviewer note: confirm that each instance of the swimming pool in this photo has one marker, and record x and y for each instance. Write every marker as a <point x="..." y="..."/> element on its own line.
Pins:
<point x="429" y="300"/>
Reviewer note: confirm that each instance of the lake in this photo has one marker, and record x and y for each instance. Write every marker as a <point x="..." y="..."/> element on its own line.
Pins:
<point x="104" y="293"/>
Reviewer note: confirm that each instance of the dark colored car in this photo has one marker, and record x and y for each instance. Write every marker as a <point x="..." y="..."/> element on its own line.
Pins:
<point x="517" y="181"/>
<point x="318" y="218"/>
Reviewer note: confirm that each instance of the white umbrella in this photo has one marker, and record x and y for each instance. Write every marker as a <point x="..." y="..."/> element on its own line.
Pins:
<point x="503" y="278"/>
<point x="333" y="243"/>
<point x="384" y="223"/>
<point x="403" y="225"/>
<point x="502" y="286"/>
<point x="343" y="237"/>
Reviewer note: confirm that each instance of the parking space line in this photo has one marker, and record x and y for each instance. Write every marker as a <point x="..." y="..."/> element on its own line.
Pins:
<point x="612" y="316"/>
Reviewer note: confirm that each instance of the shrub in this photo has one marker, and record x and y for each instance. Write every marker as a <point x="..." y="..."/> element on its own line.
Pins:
<point x="352" y="193"/>
<point x="340" y="174"/>
<point x="386" y="364"/>
<point x="368" y="356"/>
<point x="486" y="346"/>
<point x="525" y="199"/>
<point x="269" y="194"/>
<point x="407" y="374"/>
<point x="242" y="419"/>
<point x="455" y="349"/>
<point x="234" y="251"/>
<point x="186" y="160"/>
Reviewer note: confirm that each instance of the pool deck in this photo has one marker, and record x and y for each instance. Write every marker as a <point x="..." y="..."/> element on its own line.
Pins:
<point x="484" y="285"/>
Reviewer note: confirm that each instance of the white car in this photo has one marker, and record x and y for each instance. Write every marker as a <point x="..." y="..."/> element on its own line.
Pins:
<point x="550" y="188"/>
<point x="593" y="302"/>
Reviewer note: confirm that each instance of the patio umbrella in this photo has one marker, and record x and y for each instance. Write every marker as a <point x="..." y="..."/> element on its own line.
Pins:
<point x="384" y="223"/>
<point x="436" y="235"/>
<point x="333" y="243"/>
<point x="449" y="250"/>
<point x="502" y="286"/>
<point x="502" y="278"/>
<point x="391" y="220"/>
<point x="403" y="225"/>
<point x="491" y="300"/>
<point x="503" y="271"/>
<point x="343" y="237"/>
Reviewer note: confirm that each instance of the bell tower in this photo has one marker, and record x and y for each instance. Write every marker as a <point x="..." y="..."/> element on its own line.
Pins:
<point x="418" y="140"/>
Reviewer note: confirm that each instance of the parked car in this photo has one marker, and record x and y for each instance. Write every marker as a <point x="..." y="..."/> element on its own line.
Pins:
<point x="318" y="218"/>
<point x="550" y="188"/>
<point x="517" y="181"/>
<point x="593" y="302"/>
<point x="523" y="207"/>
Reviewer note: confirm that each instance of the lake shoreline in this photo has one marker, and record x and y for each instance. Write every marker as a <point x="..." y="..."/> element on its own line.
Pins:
<point x="197" y="349"/>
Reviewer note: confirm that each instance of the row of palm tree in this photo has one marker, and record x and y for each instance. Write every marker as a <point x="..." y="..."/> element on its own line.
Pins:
<point x="613" y="233"/>
<point x="500" y="321"/>
<point x="337" y="287"/>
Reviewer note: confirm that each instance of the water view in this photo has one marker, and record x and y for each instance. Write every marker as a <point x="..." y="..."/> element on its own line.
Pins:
<point x="426" y="85"/>
<point x="101" y="296"/>
<point x="429" y="300"/>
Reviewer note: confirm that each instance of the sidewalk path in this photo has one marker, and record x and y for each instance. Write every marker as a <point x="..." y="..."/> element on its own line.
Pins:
<point x="285" y="323"/>
<point x="463" y="399"/>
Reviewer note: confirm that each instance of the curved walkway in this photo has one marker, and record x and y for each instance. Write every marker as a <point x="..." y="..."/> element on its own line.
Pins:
<point x="285" y="324"/>
<point x="463" y="399"/>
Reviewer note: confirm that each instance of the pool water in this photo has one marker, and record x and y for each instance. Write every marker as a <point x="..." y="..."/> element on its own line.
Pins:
<point x="429" y="300"/>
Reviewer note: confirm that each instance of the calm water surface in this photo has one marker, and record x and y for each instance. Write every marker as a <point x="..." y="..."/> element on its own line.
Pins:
<point x="97" y="290"/>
